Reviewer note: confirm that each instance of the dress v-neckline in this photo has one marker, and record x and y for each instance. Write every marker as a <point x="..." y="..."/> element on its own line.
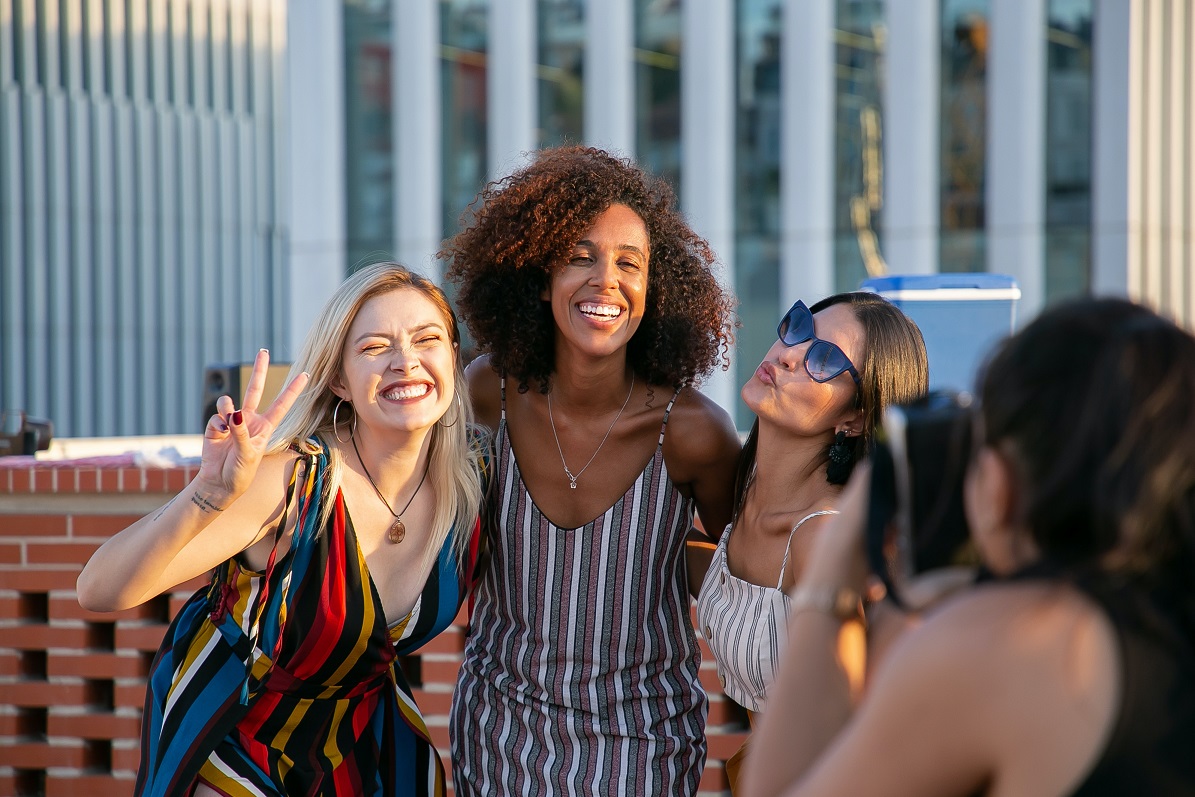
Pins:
<point x="504" y="434"/>
<point x="375" y="593"/>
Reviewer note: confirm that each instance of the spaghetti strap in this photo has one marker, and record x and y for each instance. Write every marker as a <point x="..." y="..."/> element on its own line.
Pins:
<point x="788" y="546"/>
<point x="667" y="412"/>
<point x="502" y="394"/>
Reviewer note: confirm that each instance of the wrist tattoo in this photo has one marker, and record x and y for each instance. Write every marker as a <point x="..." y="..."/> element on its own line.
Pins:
<point x="205" y="505"/>
<point x="165" y="506"/>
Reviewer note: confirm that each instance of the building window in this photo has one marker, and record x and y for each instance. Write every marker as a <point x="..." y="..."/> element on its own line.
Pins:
<point x="463" y="44"/>
<point x="964" y="134"/>
<point x="1068" y="148"/>
<point x="369" y="149"/>
<point x="758" y="26"/>
<point x="658" y="88"/>
<point x="858" y="190"/>
<point x="559" y="71"/>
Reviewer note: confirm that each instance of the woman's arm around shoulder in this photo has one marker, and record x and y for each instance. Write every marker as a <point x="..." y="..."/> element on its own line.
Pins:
<point x="701" y="449"/>
<point x="485" y="390"/>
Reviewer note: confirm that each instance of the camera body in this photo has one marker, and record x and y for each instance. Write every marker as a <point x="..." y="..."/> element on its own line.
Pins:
<point x="916" y="518"/>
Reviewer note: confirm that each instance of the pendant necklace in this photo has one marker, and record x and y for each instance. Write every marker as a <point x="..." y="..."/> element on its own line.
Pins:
<point x="572" y="478"/>
<point x="398" y="529"/>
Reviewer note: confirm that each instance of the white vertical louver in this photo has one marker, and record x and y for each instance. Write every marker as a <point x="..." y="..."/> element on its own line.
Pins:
<point x="139" y="234"/>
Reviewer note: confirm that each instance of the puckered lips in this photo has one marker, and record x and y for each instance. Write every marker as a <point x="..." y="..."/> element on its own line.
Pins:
<point x="766" y="373"/>
<point x="407" y="390"/>
<point x="599" y="311"/>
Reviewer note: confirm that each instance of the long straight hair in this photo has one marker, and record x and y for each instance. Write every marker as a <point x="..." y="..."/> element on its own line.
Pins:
<point x="455" y="452"/>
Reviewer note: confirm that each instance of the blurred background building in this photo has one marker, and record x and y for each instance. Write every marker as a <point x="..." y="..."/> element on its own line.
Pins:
<point x="184" y="181"/>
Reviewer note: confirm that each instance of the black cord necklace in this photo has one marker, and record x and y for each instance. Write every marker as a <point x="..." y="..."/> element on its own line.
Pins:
<point x="398" y="529"/>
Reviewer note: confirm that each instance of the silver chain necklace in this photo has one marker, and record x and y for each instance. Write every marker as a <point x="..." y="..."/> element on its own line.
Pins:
<point x="572" y="478"/>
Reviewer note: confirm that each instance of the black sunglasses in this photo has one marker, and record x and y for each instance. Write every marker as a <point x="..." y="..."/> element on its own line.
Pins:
<point x="824" y="360"/>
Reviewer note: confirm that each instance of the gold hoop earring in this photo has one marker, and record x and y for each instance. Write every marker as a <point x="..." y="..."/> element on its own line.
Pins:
<point x="456" y="401"/>
<point x="336" y="423"/>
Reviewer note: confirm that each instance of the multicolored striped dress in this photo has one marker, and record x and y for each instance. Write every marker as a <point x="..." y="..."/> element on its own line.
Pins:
<point x="286" y="682"/>
<point x="580" y="672"/>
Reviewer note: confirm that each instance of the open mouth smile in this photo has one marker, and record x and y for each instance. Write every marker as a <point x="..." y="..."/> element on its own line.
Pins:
<point x="599" y="311"/>
<point x="405" y="392"/>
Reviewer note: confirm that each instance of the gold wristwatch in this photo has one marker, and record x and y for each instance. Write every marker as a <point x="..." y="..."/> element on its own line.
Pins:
<point x="842" y="603"/>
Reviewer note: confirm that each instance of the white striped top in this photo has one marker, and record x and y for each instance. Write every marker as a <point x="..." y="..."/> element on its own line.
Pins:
<point x="580" y="674"/>
<point x="745" y="624"/>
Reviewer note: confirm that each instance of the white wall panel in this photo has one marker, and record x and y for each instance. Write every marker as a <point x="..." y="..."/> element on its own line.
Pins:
<point x="807" y="152"/>
<point x="171" y="289"/>
<point x="103" y="296"/>
<point x="12" y="243"/>
<point x="1178" y="172"/>
<point x="192" y="333"/>
<point x="6" y="46"/>
<point x="148" y="303"/>
<point x="61" y="362"/>
<point x="33" y="175"/>
<point x="232" y="271"/>
<point x="139" y="235"/>
<point x="85" y="417"/>
<point x="131" y="332"/>
<point x="1144" y="160"/>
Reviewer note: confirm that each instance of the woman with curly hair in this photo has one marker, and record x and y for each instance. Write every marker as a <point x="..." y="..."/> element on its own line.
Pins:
<point x="595" y="308"/>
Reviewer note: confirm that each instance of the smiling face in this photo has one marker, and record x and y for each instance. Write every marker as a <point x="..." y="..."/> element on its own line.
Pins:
<point x="397" y="363"/>
<point x="782" y="392"/>
<point x="598" y="296"/>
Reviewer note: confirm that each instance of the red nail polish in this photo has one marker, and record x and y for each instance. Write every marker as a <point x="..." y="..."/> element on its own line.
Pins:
<point x="237" y="418"/>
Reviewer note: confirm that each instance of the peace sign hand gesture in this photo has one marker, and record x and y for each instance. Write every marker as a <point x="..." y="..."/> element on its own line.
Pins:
<point x="235" y="440"/>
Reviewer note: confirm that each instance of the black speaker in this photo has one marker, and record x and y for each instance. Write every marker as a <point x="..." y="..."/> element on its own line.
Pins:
<point x="21" y="435"/>
<point x="231" y="379"/>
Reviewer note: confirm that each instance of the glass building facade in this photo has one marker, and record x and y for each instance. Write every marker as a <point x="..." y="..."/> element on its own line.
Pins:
<point x="757" y="46"/>
<point x="815" y="143"/>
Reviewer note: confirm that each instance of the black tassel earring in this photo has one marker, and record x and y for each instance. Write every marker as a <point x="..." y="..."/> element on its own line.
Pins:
<point x="842" y="460"/>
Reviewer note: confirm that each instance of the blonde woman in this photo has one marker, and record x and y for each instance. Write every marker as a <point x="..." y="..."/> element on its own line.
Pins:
<point x="341" y="524"/>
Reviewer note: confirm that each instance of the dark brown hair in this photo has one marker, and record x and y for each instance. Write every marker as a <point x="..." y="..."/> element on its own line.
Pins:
<point x="520" y="229"/>
<point x="1093" y="402"/>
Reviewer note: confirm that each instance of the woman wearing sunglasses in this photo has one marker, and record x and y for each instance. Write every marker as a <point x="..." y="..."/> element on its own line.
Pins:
<point x="817" y="396"/>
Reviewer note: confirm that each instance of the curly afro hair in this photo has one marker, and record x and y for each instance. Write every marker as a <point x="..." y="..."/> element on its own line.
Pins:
<point x="521" y="228"/>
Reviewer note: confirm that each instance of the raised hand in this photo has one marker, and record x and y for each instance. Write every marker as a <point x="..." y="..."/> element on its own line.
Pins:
<point x="235" y="439"/>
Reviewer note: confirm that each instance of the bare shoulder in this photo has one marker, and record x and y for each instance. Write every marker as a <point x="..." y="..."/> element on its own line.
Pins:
<point x="262" y="502"/>
<point x="485" y="386"/>
<point x="1009" y="683"/>
<point x="1011" y="607"/>
<point x="1016" y="663"/>
<point x="1016" y="667"/>
<point x="700" y="434"/>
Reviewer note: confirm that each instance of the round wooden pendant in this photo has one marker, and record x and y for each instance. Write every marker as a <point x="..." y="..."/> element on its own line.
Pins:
<point x="398" y="530"/>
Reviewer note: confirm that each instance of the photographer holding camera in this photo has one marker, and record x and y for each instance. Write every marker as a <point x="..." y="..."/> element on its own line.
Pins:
<point x="1069" y="669"/>
<point x="817" y="397"/>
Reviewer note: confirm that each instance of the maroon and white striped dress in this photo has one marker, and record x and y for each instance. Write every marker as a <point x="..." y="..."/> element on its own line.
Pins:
<point x="580" y="673"/>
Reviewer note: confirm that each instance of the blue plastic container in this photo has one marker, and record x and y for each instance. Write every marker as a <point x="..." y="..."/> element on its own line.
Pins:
<point x="961" y="317"/>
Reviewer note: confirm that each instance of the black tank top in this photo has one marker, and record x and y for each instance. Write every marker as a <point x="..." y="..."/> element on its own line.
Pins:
<point x="1152" y="747"/>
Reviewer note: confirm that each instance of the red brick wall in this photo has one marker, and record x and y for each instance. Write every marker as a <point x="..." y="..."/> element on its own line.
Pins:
<point x="72" y="682"/>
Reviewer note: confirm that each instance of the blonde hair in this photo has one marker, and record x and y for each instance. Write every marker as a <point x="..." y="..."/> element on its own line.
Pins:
<point x="455" y="451"/>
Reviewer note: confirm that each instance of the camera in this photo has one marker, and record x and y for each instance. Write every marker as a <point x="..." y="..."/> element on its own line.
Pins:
<point x="916" y="520"/>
